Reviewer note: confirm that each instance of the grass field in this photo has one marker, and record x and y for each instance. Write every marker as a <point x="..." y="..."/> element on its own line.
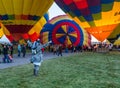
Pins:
<point x="86" y="70"/>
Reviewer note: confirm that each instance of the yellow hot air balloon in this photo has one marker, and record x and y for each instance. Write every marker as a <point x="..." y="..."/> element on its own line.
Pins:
<point x="19" y="16"/>
<point x="98" y="17"/>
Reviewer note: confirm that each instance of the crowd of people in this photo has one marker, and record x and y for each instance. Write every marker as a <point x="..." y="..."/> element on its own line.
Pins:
<point x="36" y="49"/>
<point x="58" y="49"/>
<point x="7" y="50"/>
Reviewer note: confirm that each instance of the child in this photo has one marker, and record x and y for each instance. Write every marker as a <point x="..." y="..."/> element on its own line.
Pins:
<point x="37" y="58"/>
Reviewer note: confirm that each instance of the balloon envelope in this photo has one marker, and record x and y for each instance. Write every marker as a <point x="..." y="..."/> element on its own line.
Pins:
<point x="19" y="16"/>
<point x="32" y="34"/>
<point x="63" y="30"/>
<point x="98" y="17"/>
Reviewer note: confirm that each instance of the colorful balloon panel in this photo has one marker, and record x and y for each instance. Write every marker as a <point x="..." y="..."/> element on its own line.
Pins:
<point x="87" y="38"/>
<point x="44" y="37"/>
<point x="66" y="32"/>
<point x="95" y="13"/>
<point x="46" y="33"/>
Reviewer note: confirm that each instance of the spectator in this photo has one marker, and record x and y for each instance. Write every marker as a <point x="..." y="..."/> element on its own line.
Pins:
<point x="11" y="50"/>
<point x="60" y="50"/>
<point x="19" y="50"/>
<point x="24" y="50"/>
<point x="5" y="53"/>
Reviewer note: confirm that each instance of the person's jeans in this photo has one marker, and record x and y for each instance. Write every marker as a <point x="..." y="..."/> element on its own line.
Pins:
<point x="6" y="58"/>
<point x="19" y="52"/>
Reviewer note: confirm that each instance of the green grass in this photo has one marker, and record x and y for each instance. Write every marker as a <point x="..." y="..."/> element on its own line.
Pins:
<point x="86" y="70"/>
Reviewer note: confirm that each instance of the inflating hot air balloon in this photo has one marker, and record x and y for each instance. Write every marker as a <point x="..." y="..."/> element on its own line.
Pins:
<point x="32" y="34"/>
<point x="63" y="30"/>
<point x="98" y="17"/>
<point x="19" y="16"/>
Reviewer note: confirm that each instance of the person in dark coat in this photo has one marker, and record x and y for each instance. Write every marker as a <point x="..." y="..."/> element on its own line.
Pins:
<point x="24" y="50"/>
<point x="5" y="53"/>
<point x="11" y="50"/>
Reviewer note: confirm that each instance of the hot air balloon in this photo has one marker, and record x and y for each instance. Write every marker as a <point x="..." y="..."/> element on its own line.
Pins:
<point x="19" y="16"/>
<point x="32" y="34"/>
<point x="63" y="30"/>
<point x="98" y="17"/>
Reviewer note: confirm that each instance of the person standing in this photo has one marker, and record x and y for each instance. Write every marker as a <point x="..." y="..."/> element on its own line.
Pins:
<point x="60" y="50"/>
<point x="55" y="49"/>
<point x="5" y="53"/>
<point x="19" y="50"/>
<point x="37" y="58"/>
<point x="24" y="50"/>
<point x="11" y="50"/>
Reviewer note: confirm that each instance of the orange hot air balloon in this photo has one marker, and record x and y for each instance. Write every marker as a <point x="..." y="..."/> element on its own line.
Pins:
<point x="98" y="17"/>
<point x="19" y="16"/>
